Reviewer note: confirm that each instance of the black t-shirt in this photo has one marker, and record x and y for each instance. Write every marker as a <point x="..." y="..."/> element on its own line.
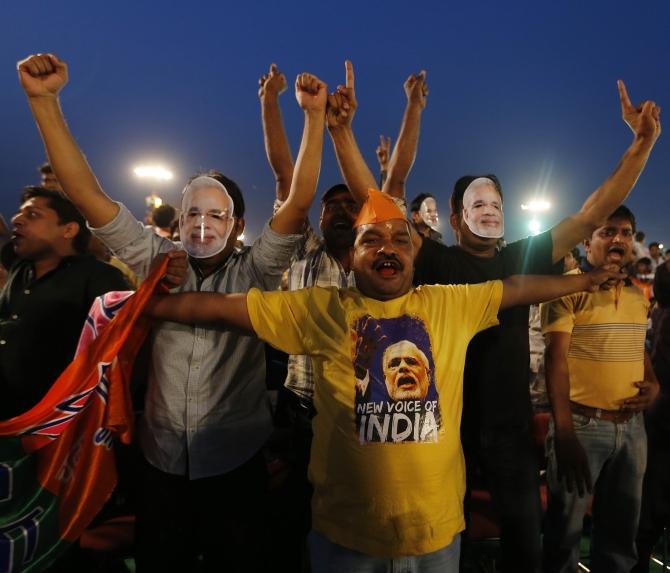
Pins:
<point x="496" y="384"/>
<point x="40" y="324"/>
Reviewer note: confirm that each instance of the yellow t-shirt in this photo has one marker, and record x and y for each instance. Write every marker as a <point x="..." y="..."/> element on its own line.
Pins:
<point x="606" y="353"/>
<point x="386" y="465"/>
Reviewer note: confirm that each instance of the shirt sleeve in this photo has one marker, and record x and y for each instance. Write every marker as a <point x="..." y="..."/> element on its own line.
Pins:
<point x="132" y="242"/>
<point x="471" y="307"/>
<point x="282" y="318"/>
<point x="271" y="256"/>
<point x="558" y="315"/>
<point x="532" y="256"/>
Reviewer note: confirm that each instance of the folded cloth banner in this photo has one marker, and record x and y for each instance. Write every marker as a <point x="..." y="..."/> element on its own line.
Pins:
<point x="57" y="465"/>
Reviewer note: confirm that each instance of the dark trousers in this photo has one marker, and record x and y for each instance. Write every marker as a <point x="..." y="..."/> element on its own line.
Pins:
<point x="202" y="525"/>
<point x="507" y="462"/>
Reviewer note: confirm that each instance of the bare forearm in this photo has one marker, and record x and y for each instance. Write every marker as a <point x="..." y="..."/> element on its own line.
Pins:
<point x="356" y="173"/>
<point x="277" y="147"/>
<point x="198" y="308"/>
<point x="69" y="164"/>
<point x="558" y="385"/>
<point x="291" y="216"/>
<point x="534" y="289"/>
<point x="404" y="152"/>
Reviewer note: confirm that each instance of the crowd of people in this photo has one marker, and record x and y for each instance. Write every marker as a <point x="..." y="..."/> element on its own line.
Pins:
<point x="407" y="370"/>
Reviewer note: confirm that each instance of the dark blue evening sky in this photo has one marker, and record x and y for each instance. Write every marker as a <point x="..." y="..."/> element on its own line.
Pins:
<point x="526" y="90"/>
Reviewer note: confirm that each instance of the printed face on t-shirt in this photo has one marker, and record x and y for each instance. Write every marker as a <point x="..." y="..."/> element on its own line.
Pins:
<point x="396" y="395"/>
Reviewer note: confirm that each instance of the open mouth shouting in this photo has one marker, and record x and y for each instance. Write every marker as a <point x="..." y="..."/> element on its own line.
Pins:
<point x="615" y="254"/>
<point x="387" y="267"/>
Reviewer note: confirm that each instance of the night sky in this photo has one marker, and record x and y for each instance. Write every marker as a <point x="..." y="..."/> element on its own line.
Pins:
<point x="526" y="90"/>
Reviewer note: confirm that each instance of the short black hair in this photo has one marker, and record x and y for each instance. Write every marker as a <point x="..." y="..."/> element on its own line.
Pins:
<point x="639" y="236"/>
<point x="576" y="254"/>
<point x="66" y="211"/>
<point x="644" y="261"/>
<point x="415" y="205"/>
<point x="337" y="188"/>
<point x="163" y="215"/>
<point x="456" y="200"/>
<point x="654" y="244"/>
<point x="230" y="185"/>
<point x="623" y="212"/>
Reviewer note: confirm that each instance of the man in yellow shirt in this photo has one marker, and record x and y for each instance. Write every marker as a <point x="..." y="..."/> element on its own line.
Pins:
<point x="386" y="465"/>
<point x="599" y="379"/>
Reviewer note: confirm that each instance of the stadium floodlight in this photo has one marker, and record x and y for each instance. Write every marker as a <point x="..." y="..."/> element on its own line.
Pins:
<point x="155" y="172"/>
<point x="536" y="205"/>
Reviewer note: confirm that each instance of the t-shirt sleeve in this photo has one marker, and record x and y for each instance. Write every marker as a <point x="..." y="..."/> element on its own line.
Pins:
<point x="282" y="318"/>
<point x="558" y="315"/>
<point x="531" y="256"/>
<point x="472" y="307"/>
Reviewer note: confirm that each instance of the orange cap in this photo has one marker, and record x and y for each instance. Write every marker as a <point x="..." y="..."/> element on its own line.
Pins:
<point x="378" y="207"/>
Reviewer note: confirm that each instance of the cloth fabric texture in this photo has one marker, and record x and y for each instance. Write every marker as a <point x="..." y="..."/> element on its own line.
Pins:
<point x="206" y="410"/>
<point x="388" y="473"/>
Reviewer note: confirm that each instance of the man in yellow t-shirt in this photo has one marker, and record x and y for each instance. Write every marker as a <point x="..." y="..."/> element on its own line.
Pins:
<point x="386" y="465"/>
<point x="599" y="380"/>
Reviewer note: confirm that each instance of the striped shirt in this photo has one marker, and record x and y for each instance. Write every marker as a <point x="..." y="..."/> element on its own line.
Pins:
<point x="606" y="352"/>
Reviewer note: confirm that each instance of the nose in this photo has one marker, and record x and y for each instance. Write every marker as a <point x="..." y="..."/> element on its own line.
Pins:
<point x="17" y="220"/>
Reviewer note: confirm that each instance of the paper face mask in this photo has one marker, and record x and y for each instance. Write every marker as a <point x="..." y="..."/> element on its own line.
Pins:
<point x="482" y="209"/>
<point x="207" y="218"/>
<point x="428" y="213"/>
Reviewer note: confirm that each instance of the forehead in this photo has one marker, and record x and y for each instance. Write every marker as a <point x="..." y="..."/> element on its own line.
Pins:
<point x="619" y="223"/>
<point x="429" y="203"/>
<point x="206" y="198"/>
<point x="483" y="192"/>
<point x="39" y="203"/>
<point x="402" y="347"/>
<point x="393" y="226"/>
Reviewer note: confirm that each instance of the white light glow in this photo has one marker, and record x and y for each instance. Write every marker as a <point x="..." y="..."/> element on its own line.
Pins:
<point x="240" y="237"/>
<point x="536" y="205"/>
<point x="661" y="246"/>
<point x="534" y="226"/>
<point x="156" y="172"/>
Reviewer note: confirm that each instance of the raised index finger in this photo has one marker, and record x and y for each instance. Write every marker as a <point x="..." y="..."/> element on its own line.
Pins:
<point x="623" y="95"/>
<point x="349" y="72"/>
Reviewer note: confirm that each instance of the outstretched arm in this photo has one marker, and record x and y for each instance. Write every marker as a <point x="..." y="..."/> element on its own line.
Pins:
<point x="341" y="108"/>
<point x="42" y="78"/>
<point x="311" y="94"/>
<point x="404" y="152"/>
<point x="644" y="121"/>
<point x="277" y="149"/>
<point x="533" y="289"/>
<point x="200" y="307"/>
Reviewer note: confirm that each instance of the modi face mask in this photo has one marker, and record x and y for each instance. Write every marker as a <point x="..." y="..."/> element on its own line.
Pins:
<point x="207" y="218"/>
<point x="482" y="209"/>
<point x="428" y="213"/>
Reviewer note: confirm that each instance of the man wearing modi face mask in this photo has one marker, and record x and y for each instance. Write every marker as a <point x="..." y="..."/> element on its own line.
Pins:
<point x="206" y="414"/>
<point x="207" y="218"/>
<point x="482" y="209"/>
<point x="424" y="216"/>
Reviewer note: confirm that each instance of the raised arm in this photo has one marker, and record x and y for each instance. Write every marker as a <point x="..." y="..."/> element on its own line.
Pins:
<point x="383" y="152"/>
<point x="404" y="152"/>
<point x="199" y="307"/>
<point x="644" y="121"/>
<point x="42" y="78"/>
<point x="533" y="289"/>
<point x="311" y="94"/>
<point x="271" y="86"/>
<point x="341" y="108"/>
